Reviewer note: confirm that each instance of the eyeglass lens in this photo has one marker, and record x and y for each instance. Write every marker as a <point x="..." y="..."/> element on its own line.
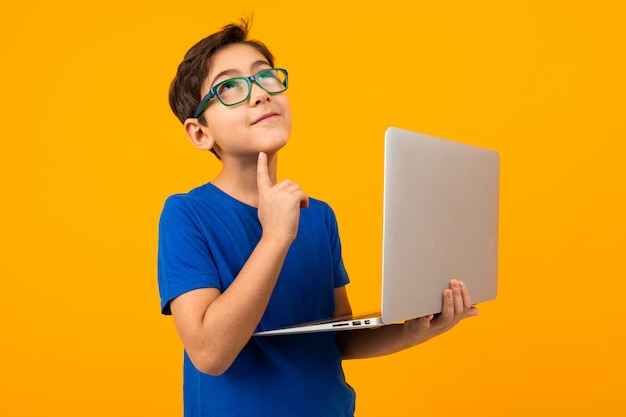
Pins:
<point x="236" y="90"/>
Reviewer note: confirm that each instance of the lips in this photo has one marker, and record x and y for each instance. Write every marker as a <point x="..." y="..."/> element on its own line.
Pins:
<point x="264" y="117"/>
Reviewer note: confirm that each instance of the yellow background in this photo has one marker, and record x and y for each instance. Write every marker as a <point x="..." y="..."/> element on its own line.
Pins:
<point x="89" y="150"/>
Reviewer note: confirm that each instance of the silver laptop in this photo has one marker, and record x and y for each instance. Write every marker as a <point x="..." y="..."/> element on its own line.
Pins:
<point x="440" y="221"/>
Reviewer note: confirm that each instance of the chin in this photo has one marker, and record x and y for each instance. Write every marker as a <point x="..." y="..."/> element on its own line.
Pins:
<point x="275" y="139"/>
<point x="273" y="147"/>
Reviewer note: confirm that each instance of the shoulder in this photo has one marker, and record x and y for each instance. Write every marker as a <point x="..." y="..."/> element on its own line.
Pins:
<point x="197" y="194"/>
<point x="192" y="207"/>
<point x="319" y="206"/>
<point x="205" y="198"/>
<point x="318" y="212"/>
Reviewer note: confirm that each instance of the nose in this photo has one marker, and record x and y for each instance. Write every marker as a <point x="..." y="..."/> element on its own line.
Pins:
<point x="258" y="95"/>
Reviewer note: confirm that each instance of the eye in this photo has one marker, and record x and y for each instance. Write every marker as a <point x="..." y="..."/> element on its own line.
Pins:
<point x="271" y="80"/>
<point x="268" y="75"/>
<point x="223" y="86"/>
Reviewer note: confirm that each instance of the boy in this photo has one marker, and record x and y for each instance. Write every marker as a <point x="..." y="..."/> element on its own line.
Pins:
<point x="245" y="253"/>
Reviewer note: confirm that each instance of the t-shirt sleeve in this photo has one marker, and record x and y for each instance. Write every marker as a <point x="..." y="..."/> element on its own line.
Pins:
<point x="340" y="274"/>
<point x="184" y="258"/>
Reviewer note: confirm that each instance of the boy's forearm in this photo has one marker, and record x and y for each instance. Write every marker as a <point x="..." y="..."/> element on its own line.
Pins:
<point x="368" y="343"/>
<point x="232" y="317"/>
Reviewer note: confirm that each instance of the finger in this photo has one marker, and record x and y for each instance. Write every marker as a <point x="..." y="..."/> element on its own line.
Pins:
<point x="304" y="201"/>
<point x="468" y="309"/>
<point x="287" y="185"/>
<point x="424" y="322"/>
<point x="302" y="197"/>
<point x="262" y="176"/>
<point x="447" y="310"/>
<point x="457" y="297"/>
<point x="292" y="187"/>
<point x="473" y="311"/>
<point x="467" y="299"/>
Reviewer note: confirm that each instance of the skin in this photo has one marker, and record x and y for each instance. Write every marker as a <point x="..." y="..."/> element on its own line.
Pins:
<point x="214" y="326"/>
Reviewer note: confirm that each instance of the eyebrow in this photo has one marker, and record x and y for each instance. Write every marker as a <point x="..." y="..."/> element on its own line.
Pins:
<point x="230" y="72"/>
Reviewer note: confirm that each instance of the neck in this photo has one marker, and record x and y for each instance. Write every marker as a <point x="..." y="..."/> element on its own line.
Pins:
<point x="239" y="178"/>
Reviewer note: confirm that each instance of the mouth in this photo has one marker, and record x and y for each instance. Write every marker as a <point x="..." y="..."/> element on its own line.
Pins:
<point x="266" y="116"/>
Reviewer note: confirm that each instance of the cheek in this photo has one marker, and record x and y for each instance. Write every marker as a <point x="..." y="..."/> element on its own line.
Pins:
<point x="288" y="122"/>
<point x="223" y="121"/>
<point x="287" y="114"/>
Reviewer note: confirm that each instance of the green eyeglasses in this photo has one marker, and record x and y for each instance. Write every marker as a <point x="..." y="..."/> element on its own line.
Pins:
<point x="237" y="90"/>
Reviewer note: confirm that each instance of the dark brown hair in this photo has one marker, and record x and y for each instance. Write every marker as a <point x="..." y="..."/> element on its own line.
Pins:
<point x="185" y="90"/>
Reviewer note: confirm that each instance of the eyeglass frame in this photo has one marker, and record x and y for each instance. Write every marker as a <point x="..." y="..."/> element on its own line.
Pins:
<point x="251" y="79"/>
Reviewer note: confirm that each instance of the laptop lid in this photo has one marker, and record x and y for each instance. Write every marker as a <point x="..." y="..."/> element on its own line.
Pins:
<point x="440" y="221"/>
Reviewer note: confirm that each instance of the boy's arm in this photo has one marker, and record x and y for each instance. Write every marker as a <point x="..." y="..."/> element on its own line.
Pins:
<point x="214" y="326"/>
<point x="389" y="339"/>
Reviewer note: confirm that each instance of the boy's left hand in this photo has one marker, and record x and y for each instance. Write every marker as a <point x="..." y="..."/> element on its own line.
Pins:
<point x="457" y="305"/>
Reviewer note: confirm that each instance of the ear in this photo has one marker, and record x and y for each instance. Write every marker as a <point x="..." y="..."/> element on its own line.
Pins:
<point x="199" y="135"/>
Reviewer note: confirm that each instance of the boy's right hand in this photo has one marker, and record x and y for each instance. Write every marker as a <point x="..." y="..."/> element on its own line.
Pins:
<point x="279" y="204"/>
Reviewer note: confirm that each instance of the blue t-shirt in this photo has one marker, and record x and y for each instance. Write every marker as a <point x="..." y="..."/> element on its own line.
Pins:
<point x="205" y="237"/>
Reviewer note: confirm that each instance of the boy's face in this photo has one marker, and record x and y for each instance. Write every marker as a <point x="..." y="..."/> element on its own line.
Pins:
<point x="262" y="123"/>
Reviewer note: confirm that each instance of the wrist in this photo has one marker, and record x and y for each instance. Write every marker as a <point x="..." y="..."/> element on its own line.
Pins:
<point x="276" y="241"/>
<point x="413" y="332"/>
